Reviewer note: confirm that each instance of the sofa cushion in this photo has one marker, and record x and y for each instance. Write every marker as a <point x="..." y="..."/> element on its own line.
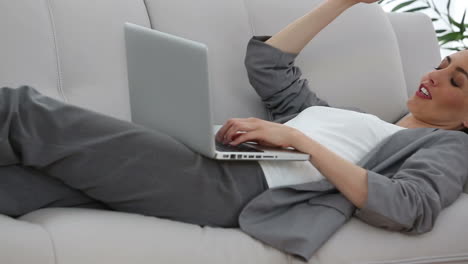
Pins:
<point x="27" y="48"/>
<point x="358" y="242"/>
<point x="114" y="237"/>
<point x="96" y="236"/>
<point x="24" y="242"/>
<point x="342" y="69"/>
<point x="91" y="49"/>
<point x="416" y="61"/>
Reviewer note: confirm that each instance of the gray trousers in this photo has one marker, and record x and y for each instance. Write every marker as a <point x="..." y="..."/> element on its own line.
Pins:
<point x="54" y="154"/>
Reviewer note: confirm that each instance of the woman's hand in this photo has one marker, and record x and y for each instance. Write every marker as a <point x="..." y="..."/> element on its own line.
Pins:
<point x="238" y="130"/>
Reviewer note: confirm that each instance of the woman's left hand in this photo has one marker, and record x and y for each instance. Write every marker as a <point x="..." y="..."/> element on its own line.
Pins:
<point x="238" y="130"/>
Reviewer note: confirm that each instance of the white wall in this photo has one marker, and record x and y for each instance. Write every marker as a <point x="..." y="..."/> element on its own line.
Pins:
<point x="457" y="8"/>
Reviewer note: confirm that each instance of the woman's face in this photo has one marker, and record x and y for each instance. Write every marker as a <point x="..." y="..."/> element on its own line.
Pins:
<point x="447" y="86"/>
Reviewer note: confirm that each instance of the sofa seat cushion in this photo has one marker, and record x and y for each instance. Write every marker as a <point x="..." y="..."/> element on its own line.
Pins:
<point x="96" y="236"/>
<point x="24" y="242"/>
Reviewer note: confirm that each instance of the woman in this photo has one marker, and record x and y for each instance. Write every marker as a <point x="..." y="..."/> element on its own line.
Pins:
<point x="59" y="155"/>
<point x="447" y="108"/>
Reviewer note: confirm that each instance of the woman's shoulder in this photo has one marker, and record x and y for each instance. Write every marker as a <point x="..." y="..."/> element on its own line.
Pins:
<point x="441" y="138"/>
<point x="451" y="134"/>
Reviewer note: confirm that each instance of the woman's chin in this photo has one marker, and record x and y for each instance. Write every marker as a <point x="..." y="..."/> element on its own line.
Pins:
<point x="410" y="103"/>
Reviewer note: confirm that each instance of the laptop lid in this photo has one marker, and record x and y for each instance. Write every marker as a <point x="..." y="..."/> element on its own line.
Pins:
<point x="169" y="86"/>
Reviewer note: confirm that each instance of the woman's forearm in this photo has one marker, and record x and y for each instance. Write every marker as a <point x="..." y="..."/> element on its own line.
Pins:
<point x="348" y="178"/>
<point x="294" y="37"/>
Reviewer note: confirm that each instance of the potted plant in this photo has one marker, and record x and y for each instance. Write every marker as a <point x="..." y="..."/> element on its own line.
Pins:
<point x="450" y="38"/>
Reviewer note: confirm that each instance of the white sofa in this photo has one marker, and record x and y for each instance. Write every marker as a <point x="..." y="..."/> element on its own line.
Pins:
<point x="73" y="50"/>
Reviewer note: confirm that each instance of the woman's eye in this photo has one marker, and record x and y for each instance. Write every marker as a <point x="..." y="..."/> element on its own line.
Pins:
<point x="453" y="83"/>
<point x="451" y="80"/>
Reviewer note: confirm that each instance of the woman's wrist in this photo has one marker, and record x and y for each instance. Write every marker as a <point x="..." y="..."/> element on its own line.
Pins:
<point x="302" y="142"/>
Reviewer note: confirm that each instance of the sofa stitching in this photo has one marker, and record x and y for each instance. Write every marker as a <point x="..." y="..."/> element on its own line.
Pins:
<point x="50" y="238"/>
<point x="54" y="37"/>
<point x="397" y="47"/>
<point x="149" y="15"/>
<point x="249" y="20"/>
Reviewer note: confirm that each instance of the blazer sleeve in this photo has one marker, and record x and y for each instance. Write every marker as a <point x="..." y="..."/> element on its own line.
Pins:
<point x="429" y="180"/>
<point x="276" y="80"/>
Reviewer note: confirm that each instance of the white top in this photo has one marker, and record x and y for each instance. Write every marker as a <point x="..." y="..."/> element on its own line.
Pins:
<point x="347" y="133"/>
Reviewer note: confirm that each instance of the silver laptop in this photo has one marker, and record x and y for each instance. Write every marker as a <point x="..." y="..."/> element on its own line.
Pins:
<point x="170" y="92"/>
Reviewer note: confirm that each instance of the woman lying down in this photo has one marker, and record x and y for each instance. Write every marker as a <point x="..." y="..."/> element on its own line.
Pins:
<point x="395" y="176"/>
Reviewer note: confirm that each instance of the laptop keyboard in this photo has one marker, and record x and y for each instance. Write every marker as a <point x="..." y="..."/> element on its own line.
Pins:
<point x="239" y="148"/>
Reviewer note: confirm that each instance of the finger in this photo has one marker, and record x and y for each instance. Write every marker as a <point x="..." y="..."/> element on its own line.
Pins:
<point x="244" y="137"/>
<point x="232" y="131"/>
<point x="237" y="135"/>
<point x="222" y="131"/>
<point x="239" y="126"/>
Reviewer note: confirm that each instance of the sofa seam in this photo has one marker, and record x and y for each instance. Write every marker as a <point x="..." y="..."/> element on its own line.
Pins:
<point x="249" y="20"/>
<point x="57" y="56"/>
<point x="398" y="48"/>
<point x="54" y="249"/>
<point x="148" y="13"/>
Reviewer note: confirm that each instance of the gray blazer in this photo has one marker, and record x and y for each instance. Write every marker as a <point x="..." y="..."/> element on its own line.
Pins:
<point x="412" y="175"/>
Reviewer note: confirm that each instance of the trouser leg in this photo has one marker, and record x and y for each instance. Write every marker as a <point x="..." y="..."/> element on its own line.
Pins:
<point x="24" y="189"/>
<point x="125" y="166"/>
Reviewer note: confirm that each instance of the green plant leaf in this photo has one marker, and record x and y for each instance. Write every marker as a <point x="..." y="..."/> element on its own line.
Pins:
<point x="456" y="49"/>
<point x="453" y="22"/>
<point x="417" y="9"/>
<point x="456" y="32"/>
<point x="396" y="8"/>
<point x="453" y="36"/>
<point x="435" y="8"/>
<point x="463" y="27"/>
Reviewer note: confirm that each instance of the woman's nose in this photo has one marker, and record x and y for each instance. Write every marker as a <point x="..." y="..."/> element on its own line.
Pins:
<point x="432" y="79"/>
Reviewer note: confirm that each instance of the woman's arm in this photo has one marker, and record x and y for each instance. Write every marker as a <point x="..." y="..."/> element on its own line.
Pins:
<point x="348" y="178"/>
<point x="294" y="37"/>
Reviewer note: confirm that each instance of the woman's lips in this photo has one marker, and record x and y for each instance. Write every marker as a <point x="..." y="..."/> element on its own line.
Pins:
<point x="420" y="92"/>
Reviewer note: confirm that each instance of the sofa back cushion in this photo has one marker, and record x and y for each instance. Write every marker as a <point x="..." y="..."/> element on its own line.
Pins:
<point x="352" y="62"/>
<point x="74" y="51"/>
